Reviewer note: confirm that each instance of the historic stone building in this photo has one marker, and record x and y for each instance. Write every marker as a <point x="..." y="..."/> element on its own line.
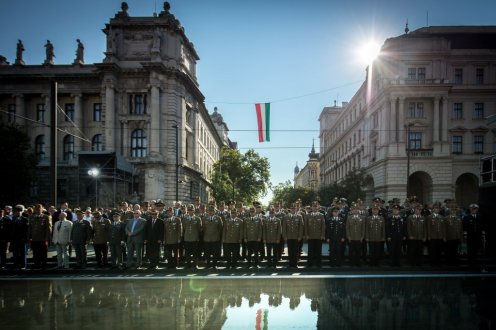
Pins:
<point x="418" y="121"/>
<point x="141" y="109"/>
<point x="308" y="176"/>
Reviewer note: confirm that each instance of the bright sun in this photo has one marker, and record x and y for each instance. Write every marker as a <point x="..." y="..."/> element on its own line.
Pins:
<point x="368" y="52"/>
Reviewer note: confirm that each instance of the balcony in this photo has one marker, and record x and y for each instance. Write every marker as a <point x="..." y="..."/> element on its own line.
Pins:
<point x="421" y="153"/>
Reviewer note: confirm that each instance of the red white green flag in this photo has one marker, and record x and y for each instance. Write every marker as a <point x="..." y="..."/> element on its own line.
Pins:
<point x="263" y="120"/>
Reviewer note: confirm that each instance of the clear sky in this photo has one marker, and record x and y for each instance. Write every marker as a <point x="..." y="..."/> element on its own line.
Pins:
<point x="299" y="55"/>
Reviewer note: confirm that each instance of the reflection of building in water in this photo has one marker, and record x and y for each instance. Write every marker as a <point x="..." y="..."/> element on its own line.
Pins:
<point x="202" y="303"/>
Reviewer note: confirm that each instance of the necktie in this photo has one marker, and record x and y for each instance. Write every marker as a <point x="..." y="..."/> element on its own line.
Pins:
<point x="134" y="225"/>
<point x="59" y="225"/>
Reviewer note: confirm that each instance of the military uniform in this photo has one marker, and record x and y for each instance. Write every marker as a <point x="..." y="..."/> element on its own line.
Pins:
<point x="172" y="237"/>
<point x="396" y="235"/>
<point x="292" y="231"/>
<point x="355" y="233"/>
<point x="417" y="235"/>
<point x="192" y="229"/>
<point x="436" y="236"/>
<point x="101" y="235"/>
<point x="473" y="228"/>
<point x="80" y="236"/>
<point x="315" y="233"/>
<point x="231" y="238"/>
<point x="40" y="230"/>
<point x="212" y="232"/>
<point x="252" y="234"/>
<point x="272" y="231"/>
<point x="5" y="237"/>
<point x="454" y="234"/>
<point x="19" y="240"/>
<point x="336" y="237"/>
<point x="375" y="234"/>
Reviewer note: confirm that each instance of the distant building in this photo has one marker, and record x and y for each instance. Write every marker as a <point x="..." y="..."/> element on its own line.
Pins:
<point x="426" y="96"/>
<point x="138" y="106"/>
<point x="308" y="176"/>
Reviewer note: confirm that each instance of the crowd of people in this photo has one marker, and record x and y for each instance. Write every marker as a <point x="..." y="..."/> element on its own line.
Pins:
<point x="221" y="234"/>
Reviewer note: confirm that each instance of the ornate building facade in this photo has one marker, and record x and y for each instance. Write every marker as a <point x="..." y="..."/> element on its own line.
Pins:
<point x="308" y="176"/>
<point x="142" y="104"/>
<point x="417" y="123"/>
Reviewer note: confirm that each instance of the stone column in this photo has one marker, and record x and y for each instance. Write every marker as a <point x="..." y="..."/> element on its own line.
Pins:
<point x="78" y="120"/>
<point x="435" y="125"/>
<point x="383" y="126"/>
<point x="110" y="128"/>
<point x="155" y="121"/>
<point x="392" y="121"/>
<point x="401" y="120"/>
<point x="444" y="121"/>
<point x="20" y="109"/>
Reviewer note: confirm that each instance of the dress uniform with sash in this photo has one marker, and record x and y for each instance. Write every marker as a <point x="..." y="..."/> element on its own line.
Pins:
<point x="192" y="229"/>
<point x="292" y="231"/>
<point x="231" y="237"/>
<point x="417" y="235"/>
<point x="315" y="234"/>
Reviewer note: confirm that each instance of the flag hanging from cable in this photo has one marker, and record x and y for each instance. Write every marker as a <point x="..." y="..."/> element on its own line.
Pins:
<point x="263" y="120"/>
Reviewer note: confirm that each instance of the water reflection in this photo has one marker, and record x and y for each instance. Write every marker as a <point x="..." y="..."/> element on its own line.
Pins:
<point x="375" y="303"/>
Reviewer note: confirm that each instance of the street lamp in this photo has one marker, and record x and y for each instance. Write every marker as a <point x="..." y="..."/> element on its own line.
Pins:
<point x="407" y="149"/>
<point x="177" y="161"/>
<point x="94" y="172"/>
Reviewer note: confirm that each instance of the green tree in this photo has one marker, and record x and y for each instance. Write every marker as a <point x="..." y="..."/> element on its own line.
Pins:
<point x="287" y="194"/>
<point x="18" y="164"/>
<point x="351" y="187"/>
<point x="240" y="177"/>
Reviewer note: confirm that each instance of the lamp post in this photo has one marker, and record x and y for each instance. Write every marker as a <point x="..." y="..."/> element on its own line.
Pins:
<point x="177" y="160"/>
<point x="94" y="172"/>
<point x="407" y="149"/>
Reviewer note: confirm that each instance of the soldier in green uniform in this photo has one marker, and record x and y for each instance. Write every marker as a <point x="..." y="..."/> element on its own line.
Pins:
<point x="315" y="234"/>
<point x="242" y="214"/>
<point x="40" y="230"/>
<point x="261" y="215"/>
<point x="101" y="236"/>
<point x="417" y="235"/>
<point x="355" y="233"/>
<point x="212" y="232"/>
<point x="252" y="234"/>
<point x="172" y="237"/>
<point x="375" y="235"/>
<point x="292" y="231"/>
<point x="272" y="231"/>
<point x="192" y="230"/>
<point x="436" y="234"/>
<point x="231" y="237"/>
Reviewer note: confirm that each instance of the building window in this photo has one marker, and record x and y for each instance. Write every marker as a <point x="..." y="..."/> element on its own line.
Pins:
<point x="69" y="111"/>
<point x="40" y="112"/>
<point x="416" y="110"/>
<point x="97" y="112"/>
<point x="137" y="104"/>
<point x="457" y="113"/>
<point x="421" y="74"/>
<point x="478" y="144"/>
<point x="11" y="113"/>
<point x="478" y="110"/>
<point x="479" y="76"/>
<point x="68" y="149"/>
<point x="458" y="76"/>
<point x="97" y="143"/>
<point x="415" y="141"/>
<point x="412" y="73"/>
<point x="39" y="147"/>
<point x="138" y="143"/>
<point x="189" y="117"/>
<point x="456" y="144"/>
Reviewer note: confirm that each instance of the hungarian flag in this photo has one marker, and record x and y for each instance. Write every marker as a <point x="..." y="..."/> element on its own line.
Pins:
<point x="263" y="120"/>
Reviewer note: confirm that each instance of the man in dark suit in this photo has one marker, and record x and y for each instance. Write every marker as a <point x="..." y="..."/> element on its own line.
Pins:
<point x="80" y="237"/>
<point x="154" y="233"/>
<point x="135" y="230"/>
<point x="117" y="239"/>
<point x="473" y="229"/>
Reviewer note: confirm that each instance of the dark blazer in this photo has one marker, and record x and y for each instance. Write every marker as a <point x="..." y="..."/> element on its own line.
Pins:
<point x="81" y="232"/>
<point x="154" y="232"/>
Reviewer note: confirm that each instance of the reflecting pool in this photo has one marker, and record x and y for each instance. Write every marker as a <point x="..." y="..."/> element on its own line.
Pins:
<point x="249" y="303"/>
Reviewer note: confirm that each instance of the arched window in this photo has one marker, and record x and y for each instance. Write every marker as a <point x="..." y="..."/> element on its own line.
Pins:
<point x="39" y="147"/>
<point x="97" y="143"/>
<point x="138" y="143"/>
<point x="68" y="152"/>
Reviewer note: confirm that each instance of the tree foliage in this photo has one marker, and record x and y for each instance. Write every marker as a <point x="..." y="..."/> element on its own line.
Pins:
<point x="287" y="194"/>
<point x="240" y="177"/>
<point x="351" y="187"/>
<point x="18" y="164"/>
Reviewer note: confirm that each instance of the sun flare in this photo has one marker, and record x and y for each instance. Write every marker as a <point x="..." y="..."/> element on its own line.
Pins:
<point x="369" y="52"/>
